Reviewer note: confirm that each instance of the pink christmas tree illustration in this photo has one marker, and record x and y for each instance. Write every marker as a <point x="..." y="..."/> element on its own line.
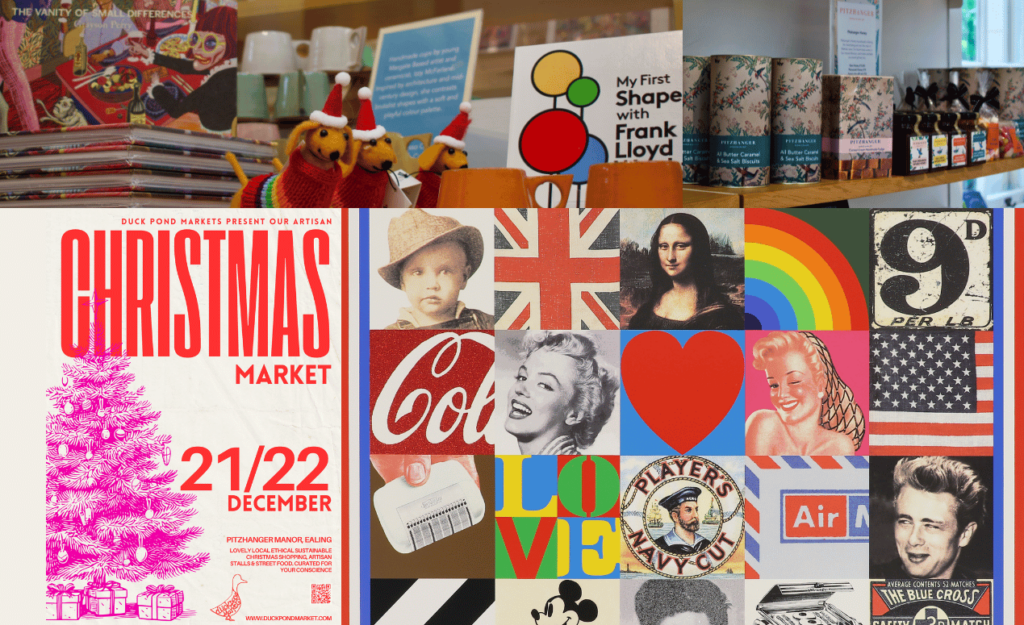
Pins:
<point x="111" y="513"/>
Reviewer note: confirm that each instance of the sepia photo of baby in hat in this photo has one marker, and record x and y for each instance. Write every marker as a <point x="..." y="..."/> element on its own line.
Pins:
<point x="431" y="260"/>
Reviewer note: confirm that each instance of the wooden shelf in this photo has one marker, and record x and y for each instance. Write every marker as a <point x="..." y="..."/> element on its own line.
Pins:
<point x="709" y="199"/>
<point x="826" y="191"/>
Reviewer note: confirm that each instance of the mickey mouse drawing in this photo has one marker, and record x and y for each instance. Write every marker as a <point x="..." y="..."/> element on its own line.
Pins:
<point x="562" y="609"/>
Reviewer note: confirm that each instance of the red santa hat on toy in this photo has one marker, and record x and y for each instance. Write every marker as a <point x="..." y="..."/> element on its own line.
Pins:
<point x="332" y="115"/>
<point x="366" y="126"/>
<point x="453" y="136"/>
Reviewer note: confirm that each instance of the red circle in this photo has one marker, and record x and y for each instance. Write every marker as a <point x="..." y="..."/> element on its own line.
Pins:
<point x="553" y="141"/>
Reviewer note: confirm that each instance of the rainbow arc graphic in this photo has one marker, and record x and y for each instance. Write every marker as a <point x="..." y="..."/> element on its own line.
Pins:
<point x="796" y="278"/>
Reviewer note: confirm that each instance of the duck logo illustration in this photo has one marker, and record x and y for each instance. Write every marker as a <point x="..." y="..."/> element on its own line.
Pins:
<point x="562" y="609"/>
<point x="233" y="603"/>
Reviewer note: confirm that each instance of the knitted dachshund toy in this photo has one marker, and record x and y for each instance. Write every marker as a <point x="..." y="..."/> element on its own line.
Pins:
<point x="327" y="155"/>
<point x="448" y="151"/>
<point x="368" y="183"/>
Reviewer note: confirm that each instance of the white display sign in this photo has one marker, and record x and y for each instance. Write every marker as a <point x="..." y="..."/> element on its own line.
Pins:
<point x="856" y="41"/>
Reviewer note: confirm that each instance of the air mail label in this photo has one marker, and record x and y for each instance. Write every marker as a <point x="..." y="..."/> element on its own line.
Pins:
<point x="824" y="516"/>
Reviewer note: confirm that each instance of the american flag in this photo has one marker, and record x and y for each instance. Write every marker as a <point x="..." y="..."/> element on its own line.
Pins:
<point x="556" y="268"/>
<point x="931" y="393"/>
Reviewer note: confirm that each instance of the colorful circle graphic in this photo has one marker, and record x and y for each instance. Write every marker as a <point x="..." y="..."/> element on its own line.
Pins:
<point x="595" y="153"/>
<point x="555" y="71"/>
<point x="583" y="92"/>
<point x="553" y="141"/>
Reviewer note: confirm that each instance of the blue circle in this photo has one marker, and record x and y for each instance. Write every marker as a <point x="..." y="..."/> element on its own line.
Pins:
<point x="594" y="153"/>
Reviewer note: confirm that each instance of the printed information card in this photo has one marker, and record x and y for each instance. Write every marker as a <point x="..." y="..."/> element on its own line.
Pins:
<point x="423" y="71"/>
<point x="856" y="37"/>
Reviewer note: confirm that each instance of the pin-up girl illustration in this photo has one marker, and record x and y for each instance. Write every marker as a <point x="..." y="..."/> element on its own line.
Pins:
<point x="815" y="411"/>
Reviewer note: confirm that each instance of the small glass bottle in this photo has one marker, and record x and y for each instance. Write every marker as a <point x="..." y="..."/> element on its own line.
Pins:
<point x="911" y="145"/>
<point x="978" y="143"/>
<point x="959" y="151"/>
<point x="81" y="57"/>
<point x="940" y="141"/>
<point x="136" y="109"/>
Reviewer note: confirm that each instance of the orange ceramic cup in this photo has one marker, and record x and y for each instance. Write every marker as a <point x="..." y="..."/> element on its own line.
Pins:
<point x="500" y="187"/>
<point x="646" y="184"/>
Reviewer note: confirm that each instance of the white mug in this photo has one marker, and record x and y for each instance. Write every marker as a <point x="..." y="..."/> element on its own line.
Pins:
<point x="337" y="48"/>
<point x="302" y="50"/>
<point x="268" y="52"/>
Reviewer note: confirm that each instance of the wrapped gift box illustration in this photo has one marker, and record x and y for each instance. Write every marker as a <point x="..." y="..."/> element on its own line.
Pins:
<point x="63" y="602"/>
<point x="106" y="599"/>
<point x="160" y="603"/>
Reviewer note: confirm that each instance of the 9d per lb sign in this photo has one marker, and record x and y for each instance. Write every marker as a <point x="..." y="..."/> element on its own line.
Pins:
<point x="268" y="502"/>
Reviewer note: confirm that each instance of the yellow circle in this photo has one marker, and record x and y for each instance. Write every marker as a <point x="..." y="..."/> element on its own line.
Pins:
<point x="555" y="71"/>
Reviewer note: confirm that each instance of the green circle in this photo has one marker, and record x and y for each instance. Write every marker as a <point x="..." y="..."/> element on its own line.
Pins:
<point x="583" y="91"/>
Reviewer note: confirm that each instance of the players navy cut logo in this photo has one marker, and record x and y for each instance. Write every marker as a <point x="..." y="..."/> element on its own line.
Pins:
<point x="682" y="516"/>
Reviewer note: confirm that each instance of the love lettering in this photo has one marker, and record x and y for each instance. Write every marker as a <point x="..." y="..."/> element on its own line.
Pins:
<point x="557" y="516"/>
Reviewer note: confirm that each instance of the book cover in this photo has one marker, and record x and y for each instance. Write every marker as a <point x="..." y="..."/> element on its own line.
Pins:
<point x="74" y="161"/>
<point x="117" y="199"/>
<point x="581" y="103"/>
<point x="181" y="141"/>
<point x="91" y="62"/>
<point x="128" y="180"/>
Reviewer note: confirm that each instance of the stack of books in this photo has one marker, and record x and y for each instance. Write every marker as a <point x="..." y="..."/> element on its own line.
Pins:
<point x="125" y="165"/>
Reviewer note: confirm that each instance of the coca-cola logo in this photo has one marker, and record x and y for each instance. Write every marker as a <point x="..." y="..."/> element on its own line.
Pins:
<point x="431" y="392"/>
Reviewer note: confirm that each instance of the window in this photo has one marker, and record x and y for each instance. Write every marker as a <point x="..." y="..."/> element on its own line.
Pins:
<point x="969" y="38"/>
<point x="992" y="34"/>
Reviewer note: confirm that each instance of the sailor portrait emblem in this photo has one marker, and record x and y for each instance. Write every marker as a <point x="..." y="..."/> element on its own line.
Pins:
<point x="682" y="517"/>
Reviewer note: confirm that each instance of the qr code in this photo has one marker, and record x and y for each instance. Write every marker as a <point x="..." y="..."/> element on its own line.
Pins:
<point x="320" y="593"/>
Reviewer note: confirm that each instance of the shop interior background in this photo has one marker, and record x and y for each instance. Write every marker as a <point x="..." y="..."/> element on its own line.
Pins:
<point x="915" y="34"/>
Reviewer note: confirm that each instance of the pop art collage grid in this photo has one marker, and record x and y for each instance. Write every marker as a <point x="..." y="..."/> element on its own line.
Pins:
<point x="659" y="417"/>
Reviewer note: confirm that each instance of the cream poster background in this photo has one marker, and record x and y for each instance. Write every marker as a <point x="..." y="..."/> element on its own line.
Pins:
<point x="201" y="405"/>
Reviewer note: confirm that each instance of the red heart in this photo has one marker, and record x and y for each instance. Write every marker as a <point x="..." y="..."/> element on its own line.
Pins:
<point x="682" y="393"/>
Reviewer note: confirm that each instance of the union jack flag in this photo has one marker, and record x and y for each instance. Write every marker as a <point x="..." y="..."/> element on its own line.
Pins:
<point x="556" y="268"/>
<point x="931" y="393"/>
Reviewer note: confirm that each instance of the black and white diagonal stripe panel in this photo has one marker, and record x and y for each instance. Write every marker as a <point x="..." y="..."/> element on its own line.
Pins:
<point x="432" y="602"/>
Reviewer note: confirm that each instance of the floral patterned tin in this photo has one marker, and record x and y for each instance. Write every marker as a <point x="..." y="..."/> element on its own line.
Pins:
<point x="857" y="126"/>
<point x="696" y="118"/>
<point x="739" y="139"/>
<point x="1011" y="96"/>
<point x="796" y="121"/>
